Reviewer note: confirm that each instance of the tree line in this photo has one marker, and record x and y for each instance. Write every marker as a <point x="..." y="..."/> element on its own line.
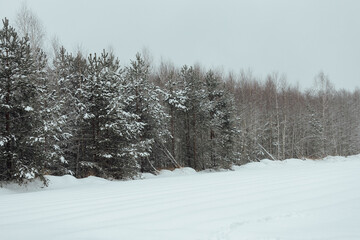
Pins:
<point x="89" y="115"/>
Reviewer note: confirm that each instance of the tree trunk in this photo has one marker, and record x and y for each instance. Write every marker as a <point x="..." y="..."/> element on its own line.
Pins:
<point x="284" y="140"/>
<point x="212" y="158"/>
<point x="277" y="126"/>
<point x="172" y="132"/>
<point x="194" y="139"/>
<point x="9" y="162"/>
<point x="94" y="140"/>
<point x="187" y="139"/>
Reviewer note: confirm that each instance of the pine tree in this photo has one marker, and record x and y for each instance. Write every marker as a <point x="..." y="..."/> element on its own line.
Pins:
<point x="174" y="100"/>
<point x="220" y="122"/>
<point x="107" y="132"/>
<point x="195" y="118"/>
<point x="66" y="106"/>
<point x="147" y="106"/>
<point x="21" y="135"/>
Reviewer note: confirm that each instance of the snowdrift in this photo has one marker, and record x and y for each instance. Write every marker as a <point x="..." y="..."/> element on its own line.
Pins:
<point x="291" y="199"/>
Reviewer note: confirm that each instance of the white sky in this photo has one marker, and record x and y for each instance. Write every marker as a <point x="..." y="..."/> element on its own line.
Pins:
<point x="297" y="38"/>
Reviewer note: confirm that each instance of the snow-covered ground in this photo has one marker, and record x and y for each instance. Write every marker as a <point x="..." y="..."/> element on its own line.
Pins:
<point x="291" y="199"/>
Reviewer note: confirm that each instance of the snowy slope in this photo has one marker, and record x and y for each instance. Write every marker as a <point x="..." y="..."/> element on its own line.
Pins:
<point x="292" y="199"/>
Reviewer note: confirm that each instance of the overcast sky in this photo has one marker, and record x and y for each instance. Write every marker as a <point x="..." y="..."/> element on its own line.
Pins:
<point x="296" y="38"/>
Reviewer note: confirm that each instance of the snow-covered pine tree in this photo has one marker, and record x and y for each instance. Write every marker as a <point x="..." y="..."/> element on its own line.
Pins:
<point x="64" y="107"/>
<point x="97" y="89"/>
<point x="49" y="129"/>
<point x="195" y="117"/>
<point x="75" y="108"/>
<point x="174" y="101"/>
<point x="147" y="106"/>
<point x="109" y="130"/>
<point x="220" y="123"/>
<point x="21" y="137"/>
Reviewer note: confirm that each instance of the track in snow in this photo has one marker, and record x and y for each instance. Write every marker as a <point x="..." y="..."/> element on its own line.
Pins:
<point x="292" y="199"/>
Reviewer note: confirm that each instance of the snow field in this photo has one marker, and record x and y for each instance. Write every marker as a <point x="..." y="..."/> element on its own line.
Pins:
<point x="291" y="199"/>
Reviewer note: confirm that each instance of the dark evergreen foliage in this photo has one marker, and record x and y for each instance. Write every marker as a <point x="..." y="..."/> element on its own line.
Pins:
<point x="90" y="116"/>
<point x="21" y="126"/>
